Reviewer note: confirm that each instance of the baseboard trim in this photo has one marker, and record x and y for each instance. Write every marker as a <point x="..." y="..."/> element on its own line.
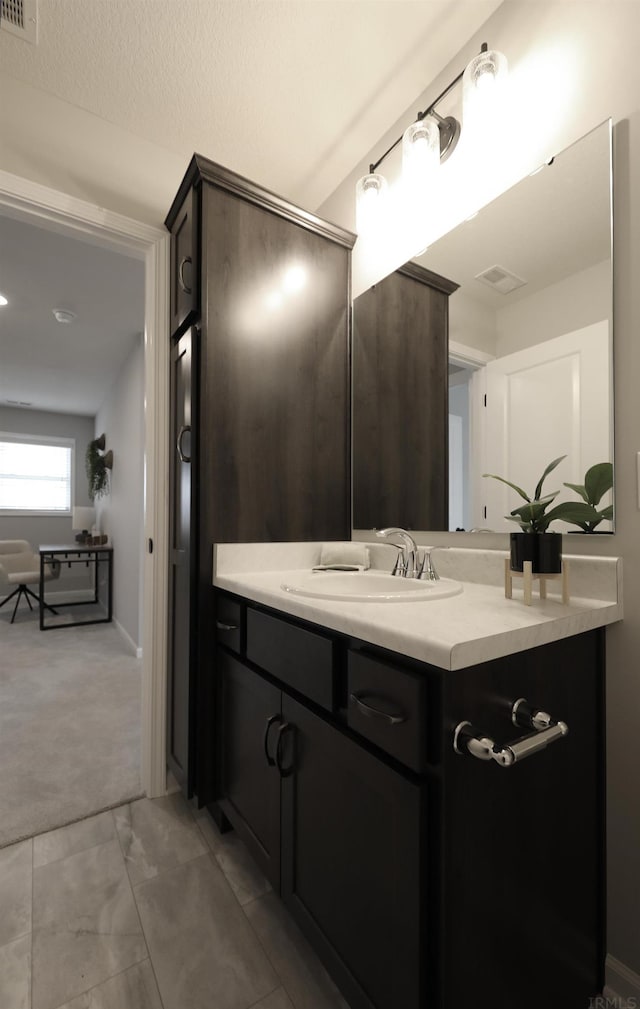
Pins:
<point x="622" y="985"/>
<point x="133" y="647"/>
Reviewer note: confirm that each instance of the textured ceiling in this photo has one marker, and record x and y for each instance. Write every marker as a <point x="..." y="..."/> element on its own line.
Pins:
<point x="290" y="93"/>
<point x="52" y="366"/>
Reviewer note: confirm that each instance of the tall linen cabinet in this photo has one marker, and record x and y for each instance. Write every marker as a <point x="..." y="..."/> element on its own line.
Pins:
<point x="260" y="432"/>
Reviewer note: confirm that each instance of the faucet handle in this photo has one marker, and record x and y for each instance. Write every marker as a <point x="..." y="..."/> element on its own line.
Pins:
<point x="427" y="570"/>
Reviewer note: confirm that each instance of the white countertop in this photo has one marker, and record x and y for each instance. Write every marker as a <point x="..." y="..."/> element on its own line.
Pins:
<point x="452" y="633"/>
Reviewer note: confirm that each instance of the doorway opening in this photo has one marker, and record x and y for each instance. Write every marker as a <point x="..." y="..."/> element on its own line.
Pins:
<point x="21" y="199"/>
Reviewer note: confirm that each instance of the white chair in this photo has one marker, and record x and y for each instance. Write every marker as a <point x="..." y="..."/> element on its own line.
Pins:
<point x="20" y="567"/>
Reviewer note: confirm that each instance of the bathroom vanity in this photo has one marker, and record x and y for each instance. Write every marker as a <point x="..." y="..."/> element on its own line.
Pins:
<point x="423" y="877"/>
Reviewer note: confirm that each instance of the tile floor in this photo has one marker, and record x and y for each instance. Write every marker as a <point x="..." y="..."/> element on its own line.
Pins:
<point x="148" y="907"/>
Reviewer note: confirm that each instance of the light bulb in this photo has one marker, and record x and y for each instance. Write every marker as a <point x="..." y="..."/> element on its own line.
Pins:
<point x="371" y="193"/>
<point x="3" y="300"/>
<point x="420" y="151"/>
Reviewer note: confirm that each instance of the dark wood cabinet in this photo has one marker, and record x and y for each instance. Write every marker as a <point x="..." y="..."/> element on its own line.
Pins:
<point x="424" y="878"/>
<point x="268" y="284"/>
<point x="400" y="402"/>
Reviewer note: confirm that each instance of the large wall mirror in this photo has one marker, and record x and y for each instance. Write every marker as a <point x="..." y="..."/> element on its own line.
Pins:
<point x="530" y="373"/>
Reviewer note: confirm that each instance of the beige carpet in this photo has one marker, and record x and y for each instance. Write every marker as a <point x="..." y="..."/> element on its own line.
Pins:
<point x="69" y="724"/>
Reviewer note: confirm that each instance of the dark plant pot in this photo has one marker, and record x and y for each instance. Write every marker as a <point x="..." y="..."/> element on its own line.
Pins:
<point x="544" y="550"/>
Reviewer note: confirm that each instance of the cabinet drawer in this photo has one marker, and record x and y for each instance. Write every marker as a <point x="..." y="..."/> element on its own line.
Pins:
<point x="301" y="659"/>
<point x="185" y="265"/>
<point x="229" y="623"/>
<point x="388" y="706"/>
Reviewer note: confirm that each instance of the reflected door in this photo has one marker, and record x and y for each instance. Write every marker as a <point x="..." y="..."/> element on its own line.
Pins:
<point x="548" y="400"/>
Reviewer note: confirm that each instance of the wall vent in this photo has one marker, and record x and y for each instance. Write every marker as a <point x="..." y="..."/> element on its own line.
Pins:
<point x="20" y="18"/>
<point x="500" y="279"/>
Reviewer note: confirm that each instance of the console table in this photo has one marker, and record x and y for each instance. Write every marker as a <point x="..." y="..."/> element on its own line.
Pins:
<point x="73" y="554"/>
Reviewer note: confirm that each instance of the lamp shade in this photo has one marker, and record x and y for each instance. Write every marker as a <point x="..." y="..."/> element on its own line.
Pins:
<point x="483" y="87"/>
<point x="371" y="198"/>
<point x="420" y="152"/>
<point x="82" y="518"/>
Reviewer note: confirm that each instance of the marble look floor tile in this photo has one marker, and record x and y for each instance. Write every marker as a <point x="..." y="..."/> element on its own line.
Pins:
<point x="15" y="890"/>
<point x="86" y="928"/>
<point x="135" y="988"/>
<point x="243" y="875"/>
<point x="57" y="844"/>
<point x="305" y="979"/>
<point x="278" y="999"/>
<point x="15" y="974"/>
<point x="202" y="948"/>
<point x="156" y="835"/>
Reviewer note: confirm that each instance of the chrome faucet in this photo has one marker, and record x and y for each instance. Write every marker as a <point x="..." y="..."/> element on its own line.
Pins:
<point x="406" y="565"/>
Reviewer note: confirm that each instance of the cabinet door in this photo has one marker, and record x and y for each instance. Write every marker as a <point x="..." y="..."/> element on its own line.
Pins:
<point x="249" y="720"/>
<point x="182" y="560"/>
<point x="351" y="843"/>
<point x="275" y="391"/>
<point x="185" y="266"/>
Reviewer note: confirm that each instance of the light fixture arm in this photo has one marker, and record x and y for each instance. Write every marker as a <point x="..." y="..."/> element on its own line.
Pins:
<point x="431" y="111"/>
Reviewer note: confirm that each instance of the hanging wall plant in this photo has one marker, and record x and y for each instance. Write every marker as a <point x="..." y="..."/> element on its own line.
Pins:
<point x="97" y="464"/>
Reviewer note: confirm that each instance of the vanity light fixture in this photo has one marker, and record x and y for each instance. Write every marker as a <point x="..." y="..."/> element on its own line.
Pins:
<point x="431" y="139"/>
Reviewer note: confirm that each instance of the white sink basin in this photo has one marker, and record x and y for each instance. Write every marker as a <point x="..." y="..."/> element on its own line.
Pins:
<point x="368" y="586"/>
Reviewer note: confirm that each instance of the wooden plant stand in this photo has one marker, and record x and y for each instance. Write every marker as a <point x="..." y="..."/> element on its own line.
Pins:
<point x="528" y="578"/>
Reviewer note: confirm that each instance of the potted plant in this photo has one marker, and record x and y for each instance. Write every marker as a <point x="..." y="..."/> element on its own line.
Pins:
<point x="535" y="543"/>
<point x="97" y="465"/>
<point x="597" y="481"/>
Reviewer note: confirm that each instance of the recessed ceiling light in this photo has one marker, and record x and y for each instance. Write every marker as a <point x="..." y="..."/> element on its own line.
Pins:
<point x="3" y="300"/>
<point x="62" y="315"/>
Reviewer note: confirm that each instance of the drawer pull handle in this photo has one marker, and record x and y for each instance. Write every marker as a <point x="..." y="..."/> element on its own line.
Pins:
<point x="285" y="772"/>
<point x="221" y="626"/>
<point x="270" y="720"/>
<point x="181" y="280"/>
<point x="468" y="739"/>
<point x="371" y="712"/>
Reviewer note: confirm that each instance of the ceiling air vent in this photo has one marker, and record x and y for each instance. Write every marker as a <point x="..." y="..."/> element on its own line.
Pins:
<point x="20" y="18"/>
<point x="500" y="279"/>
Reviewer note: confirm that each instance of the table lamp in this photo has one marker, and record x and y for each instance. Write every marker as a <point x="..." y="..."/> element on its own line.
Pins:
<point x="82" y="520"/>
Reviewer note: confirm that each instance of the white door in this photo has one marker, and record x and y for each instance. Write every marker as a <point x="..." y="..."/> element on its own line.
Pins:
<point x="549" y="400"/>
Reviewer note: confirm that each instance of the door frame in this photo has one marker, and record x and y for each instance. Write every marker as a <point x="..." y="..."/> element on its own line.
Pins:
<point x="112" y="230"/>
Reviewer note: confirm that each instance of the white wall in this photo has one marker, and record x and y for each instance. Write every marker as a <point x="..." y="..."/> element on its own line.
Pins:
<point x="120" y="512"/>
<point x="570" y="304"/>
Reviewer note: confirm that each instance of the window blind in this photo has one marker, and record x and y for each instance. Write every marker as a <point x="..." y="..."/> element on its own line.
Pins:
<point x="35" y="475"/>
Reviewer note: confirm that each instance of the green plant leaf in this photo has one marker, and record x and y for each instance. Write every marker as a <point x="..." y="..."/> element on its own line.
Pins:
<point x="606" y="513"/>
<point x="509" y="484"/>
<point x="579" y="490"/>
<point x="550" y="467"/>
<point x="597" y="481"/>
<point x="573" y="511"/>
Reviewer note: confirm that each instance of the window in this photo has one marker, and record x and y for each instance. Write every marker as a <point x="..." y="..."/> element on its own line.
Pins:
<point x="36" y="474"/>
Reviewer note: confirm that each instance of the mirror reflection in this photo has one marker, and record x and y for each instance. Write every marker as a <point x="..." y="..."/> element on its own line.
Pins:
<point x="516" y="308"/>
